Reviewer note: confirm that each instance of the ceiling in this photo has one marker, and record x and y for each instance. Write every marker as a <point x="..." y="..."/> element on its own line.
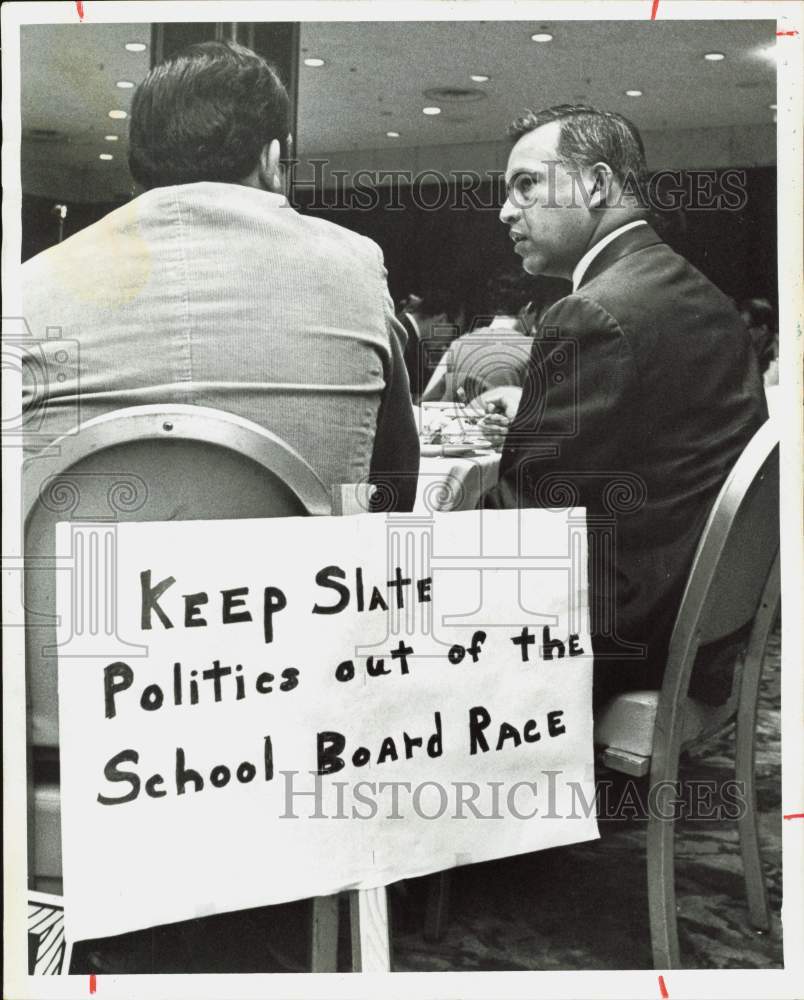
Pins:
<point x="376" y="74"/>
<point x="68" y="87"/>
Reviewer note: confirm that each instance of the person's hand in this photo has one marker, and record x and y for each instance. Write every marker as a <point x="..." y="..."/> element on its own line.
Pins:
<point x="494" y="428"/>
<point x="503" y="400"/>
<point x="499" y="407"/>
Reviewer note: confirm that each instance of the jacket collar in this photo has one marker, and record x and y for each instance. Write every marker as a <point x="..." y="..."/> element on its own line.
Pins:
<point x="624" y="244"/>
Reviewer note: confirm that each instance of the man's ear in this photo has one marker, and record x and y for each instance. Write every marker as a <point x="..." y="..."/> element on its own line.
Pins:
<point x="270" y="167"/>
<point x="603" y="183"/>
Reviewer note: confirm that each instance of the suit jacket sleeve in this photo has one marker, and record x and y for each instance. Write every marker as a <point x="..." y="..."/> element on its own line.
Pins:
<point x="573" y="424"/>
<point x="395" y="456"/>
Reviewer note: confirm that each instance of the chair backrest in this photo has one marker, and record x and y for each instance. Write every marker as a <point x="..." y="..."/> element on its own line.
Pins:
<point x="739" y="542"/>
<point x="145" y="463"/>
<point x="731" y="573"/>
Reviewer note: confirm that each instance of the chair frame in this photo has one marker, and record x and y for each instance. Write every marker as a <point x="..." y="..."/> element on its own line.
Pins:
<point x="180" y="421"/>
<point x="673" y="730"/>
<point x="741" y="707"/>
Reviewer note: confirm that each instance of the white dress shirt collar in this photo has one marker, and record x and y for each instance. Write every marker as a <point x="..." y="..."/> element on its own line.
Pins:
<point x="583" y="264"/>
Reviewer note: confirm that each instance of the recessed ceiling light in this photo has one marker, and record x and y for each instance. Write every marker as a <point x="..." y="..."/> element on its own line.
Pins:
<point x="125" y="84"/>
<point x="136" y="46"/>
<point x="633" y="93"/>
<point x="313" y="62"/>
<point x="116" y="113"/>
<point x="541" y="36"/>
<point x="105" y="156"/>
<point x="392" y="135"/>
<point x="479" y="78"/>
<point x="431" y="110"/>
<point x="111" y="138"/>
<point x="714" y="56"/>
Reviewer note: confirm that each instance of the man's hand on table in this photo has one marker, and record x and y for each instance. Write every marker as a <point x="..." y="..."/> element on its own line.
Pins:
<point x="499" y="407"/>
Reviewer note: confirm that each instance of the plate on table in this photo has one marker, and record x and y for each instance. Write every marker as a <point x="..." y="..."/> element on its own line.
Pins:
<point x="454" y="450"/>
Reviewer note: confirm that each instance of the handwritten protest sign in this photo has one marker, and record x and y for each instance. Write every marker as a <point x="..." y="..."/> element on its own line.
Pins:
<point x="294" y="707"/>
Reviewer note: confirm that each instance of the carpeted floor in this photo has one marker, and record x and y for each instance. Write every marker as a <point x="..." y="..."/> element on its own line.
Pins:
<point x="585" y="907"/>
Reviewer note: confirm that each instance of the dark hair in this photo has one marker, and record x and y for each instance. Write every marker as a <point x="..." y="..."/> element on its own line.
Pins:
<point x="205" y="114"/>
<point x="589" y="136"/>
<point x="436" y="294"/>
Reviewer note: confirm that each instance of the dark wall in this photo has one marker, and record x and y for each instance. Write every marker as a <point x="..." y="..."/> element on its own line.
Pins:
<point x="735" y="250"/>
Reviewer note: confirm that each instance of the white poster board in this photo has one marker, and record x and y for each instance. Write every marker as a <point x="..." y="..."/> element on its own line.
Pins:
<point x="219" y="670"/>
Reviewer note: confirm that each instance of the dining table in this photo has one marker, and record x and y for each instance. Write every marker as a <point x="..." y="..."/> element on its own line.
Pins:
<point x="456" y="471"/>
<point x="455" y="482"/>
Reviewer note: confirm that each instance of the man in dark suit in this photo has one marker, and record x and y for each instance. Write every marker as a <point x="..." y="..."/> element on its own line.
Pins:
<point x="642" y="388"/>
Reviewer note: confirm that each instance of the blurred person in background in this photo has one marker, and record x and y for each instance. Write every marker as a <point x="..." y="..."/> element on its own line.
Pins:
<point x="759" y="317"/>
<point x="431" y="321"/>
<point x="496" y="350"/>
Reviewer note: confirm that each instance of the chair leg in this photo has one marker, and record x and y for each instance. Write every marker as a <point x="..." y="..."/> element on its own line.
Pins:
<point x="435" y="918"/>
<point x="745" y="734"/>
<point x="371" y="932"/>
<point x="747" y="825"/>
<point x="661" y="878"/>
<point x="324" y="951"/>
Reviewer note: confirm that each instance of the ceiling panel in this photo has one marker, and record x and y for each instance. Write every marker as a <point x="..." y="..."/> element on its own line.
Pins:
<point x="375" y="76"/>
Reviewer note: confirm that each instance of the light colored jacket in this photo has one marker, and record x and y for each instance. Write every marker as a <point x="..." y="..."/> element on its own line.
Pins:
<point x="223" y="295"/>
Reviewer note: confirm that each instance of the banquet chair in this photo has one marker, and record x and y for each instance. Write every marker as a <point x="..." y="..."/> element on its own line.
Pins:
<point x="143" y="463"/>
<point x="733" y="584"/>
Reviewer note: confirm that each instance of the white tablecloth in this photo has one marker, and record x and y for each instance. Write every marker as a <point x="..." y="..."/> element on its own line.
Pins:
<point x="455" y="483"/>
